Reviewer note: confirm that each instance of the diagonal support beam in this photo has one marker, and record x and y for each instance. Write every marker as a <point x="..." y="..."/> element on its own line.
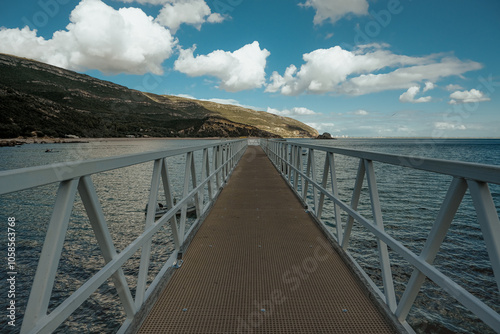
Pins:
<point x="385" y="264"/>
<point x="311" y="173"/>
<point x="205" y="172"/>
<point x="443" y="221"/>
<point x="335" y="191"/>
<point x="170" y="203"/>
<point x="150" y="219"/>
<point x="324" y="181"/>
<point x="197" y="200"/>
<point x="97" y="220"/>
<point x="43" y="282"/>
<point x="488" y="220"/>
<point x="358" y="185"/>
<point x="190" y="174"/>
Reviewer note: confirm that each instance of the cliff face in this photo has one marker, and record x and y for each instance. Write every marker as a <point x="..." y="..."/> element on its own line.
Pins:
<point x="36" y="97"/>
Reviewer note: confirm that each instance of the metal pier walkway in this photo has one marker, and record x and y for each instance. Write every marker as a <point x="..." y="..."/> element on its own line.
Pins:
<point x="260" y="264"/>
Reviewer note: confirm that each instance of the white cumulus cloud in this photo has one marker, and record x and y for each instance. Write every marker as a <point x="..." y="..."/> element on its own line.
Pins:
<point x="360" y="112"/>
<point x="97" y="37"/>
<point x="220" y="101"/>
<point x="409" y="96"/>
<point x="452" y="87"/>
<point x="323" y="127"/>
<point x="428" y="86"/>
<point x="150" y="2"/>
<point x="334" y="10"/>
<point x="468" y="96"/>
<point x="297" y="111"/>
<point x="449" y="126"/>
<point x="192" y="12"/>
<point x="239" y="70"/>
<point x="231" y="102"/>
<point x="364" y="70"/>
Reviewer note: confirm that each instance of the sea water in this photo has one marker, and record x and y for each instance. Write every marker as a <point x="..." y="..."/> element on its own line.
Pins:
<point x="410" y="201"/>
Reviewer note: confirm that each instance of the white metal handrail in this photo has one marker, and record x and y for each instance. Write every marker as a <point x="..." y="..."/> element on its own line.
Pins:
<point x="288" y="159"/>
<point x="75" y="177"/>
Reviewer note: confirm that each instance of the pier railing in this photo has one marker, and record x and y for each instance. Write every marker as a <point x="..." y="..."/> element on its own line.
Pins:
<point x="75" y="177"/>
<point x="297" y="164"/>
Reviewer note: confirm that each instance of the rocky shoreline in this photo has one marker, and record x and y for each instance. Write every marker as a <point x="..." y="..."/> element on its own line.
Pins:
<point x="44" y="140"/>
<point x="11" y="142"/>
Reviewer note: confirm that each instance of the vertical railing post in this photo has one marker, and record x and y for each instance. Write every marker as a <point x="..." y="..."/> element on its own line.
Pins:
<point x="220" y="163"/>
<point x="294" y="165"/>
<point x="277" y="156"/>
<point x="291" y="159"/>
<point x="216" y="163"/>
<point x="280" y="156"/>
<point x="229" y="159"/>
<point x="231" y="156"/>
<point x="274" y="150"/>
<point x="283" y="157"/>
<point x="224" y="161"/>
<point x="298" y="161"/>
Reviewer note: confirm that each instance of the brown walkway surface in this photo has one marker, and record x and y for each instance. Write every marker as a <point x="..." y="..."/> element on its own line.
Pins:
<point x="259" y="264"/>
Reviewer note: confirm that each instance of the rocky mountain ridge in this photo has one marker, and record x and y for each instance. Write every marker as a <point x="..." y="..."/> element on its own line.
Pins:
<point x="50" y="101"/>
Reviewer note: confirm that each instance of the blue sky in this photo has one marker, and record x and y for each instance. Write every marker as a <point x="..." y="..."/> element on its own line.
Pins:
<point x="357" y="68"/>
